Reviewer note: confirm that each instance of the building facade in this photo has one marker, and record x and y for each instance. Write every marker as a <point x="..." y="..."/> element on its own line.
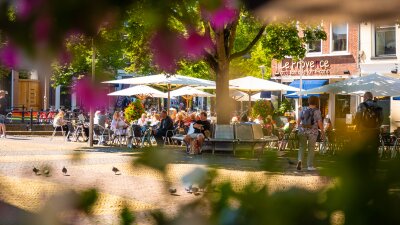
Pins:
<point x="379" y="53"/>
<point x="326" y="62"/>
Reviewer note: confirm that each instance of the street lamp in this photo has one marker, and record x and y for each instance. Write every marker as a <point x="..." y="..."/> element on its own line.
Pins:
<point x="262" y="67"/>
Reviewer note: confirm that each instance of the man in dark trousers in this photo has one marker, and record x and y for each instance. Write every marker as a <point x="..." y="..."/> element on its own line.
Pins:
<point x="368" y="121"/>
<point x="165" y="124"/>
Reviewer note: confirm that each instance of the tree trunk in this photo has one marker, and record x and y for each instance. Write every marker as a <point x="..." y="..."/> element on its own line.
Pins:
<point x="223" y="104"/>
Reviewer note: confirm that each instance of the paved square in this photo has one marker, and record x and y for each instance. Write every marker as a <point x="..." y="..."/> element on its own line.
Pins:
<point x="143" y="189"/>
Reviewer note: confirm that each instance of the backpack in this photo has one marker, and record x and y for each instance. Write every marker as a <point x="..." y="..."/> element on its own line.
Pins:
<point x="370" y="116"/>
<point x="307" y="118"/>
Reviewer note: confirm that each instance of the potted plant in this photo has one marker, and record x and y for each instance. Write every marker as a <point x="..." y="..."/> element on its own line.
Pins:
<point x="133" y="111"/>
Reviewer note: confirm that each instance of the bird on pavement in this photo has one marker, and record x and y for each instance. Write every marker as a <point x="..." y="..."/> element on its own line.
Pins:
<point x="46" y="172"/>
<point x="291" y="162"/>
<point x="195" y="190"/>
<point x="189" y="189"/>
<point x="36" y="170"/>
<point x="64" y="170"/>
<point x="172" y="190"/>
<point x="115" y="170"/>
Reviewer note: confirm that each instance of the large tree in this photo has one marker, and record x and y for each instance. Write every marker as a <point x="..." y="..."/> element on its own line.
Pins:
<point x="224" y="31"/>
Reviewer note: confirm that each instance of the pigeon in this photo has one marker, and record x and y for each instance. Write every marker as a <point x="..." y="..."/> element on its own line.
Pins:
<point x="115" y="170"/>
<point x="172" y="190"/>
<point x="195" y="190"/>
<point x="46" y="172"/>
<point x="64" y="170"/>
<point x="189" y="189"/>
<point x="36" y="170"/>
<point x="291" y="162"/>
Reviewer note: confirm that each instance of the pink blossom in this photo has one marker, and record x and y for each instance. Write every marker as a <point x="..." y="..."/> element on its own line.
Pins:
<point x="167" y="49"/>
<point x="91" y="95"/>
<point x="24" y="8"/>
<point x="64" y="57"/>
<point x="195" y="44"/>
<point x="42" y="29"/>
<point x="224" y="14"/>
<point x="9" y="56"/>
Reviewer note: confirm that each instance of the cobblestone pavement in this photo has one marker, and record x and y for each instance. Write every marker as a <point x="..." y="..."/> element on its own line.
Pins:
<point x="141" y="188"/>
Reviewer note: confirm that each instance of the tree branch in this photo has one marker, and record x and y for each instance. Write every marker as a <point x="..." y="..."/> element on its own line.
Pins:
<point x="232" y="36"/>
<point x="251" y="44"/>
<point x="209" y="58"/>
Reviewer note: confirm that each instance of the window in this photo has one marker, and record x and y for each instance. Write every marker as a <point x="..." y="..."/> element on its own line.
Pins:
<point x="342" y="105"/>
<point x="339" y="37"/>
<point x="385" y="40"/>
<point x="314" y="47"/>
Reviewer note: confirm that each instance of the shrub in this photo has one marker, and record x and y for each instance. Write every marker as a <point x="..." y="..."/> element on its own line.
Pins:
<point x="133" y="111"/>
<point x="263" y="108"/>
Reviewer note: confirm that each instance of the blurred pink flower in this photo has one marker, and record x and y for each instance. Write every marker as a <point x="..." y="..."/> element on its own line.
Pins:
<point x="9" y="56"/>
<point x="42" y="29"/>
<point x="195" y="45"/>
<point x="226" y="13"/>
<point x="64" y="57"/>
<point x="24" y="8"/>
<point x="91" y="95"/>
<point x="167" y="49"/>
<point x="223" y="16"/>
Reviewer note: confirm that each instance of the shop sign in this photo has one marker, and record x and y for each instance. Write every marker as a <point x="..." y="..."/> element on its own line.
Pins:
<point x="316" y="67"/>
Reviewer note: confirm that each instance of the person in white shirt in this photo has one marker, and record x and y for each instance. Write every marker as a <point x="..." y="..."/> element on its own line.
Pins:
<point x="142" y="120"/>
<point x="118" y="125"/>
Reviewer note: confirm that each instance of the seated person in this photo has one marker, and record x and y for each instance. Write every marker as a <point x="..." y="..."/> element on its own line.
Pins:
<point x="200" y="128"/>
<point x="100" y="119"/>
<point x="118" y="125"/>
<point x="155" y="121"/>
<point x="143" y="120"/>
<point x="179" y="125"/>
<point x="59" y="122"/>
<point x="165" y="125"/>
<point x="259" y="120"/>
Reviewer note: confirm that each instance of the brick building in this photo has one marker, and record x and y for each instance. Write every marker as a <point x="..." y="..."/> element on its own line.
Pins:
<point x="326" y="62"/>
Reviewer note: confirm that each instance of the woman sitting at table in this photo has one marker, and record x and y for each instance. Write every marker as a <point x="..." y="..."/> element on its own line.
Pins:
<point x="179" y="125"/>
<point x="143" y="120"/>
<point x="155" y="121"/>
<point x="118" y="125"/>
<point x="60" y="123"/>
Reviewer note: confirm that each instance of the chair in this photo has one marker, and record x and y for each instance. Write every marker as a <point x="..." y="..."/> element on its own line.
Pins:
<point x="55" y="130"/>
<point x="395" y="148"/>
<point x="168" y="135"/>
<point x="101" y="134"/>
<point x="387" y="143"/>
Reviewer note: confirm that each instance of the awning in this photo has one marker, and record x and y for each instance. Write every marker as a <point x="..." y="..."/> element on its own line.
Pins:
<point x="307" y="84"/>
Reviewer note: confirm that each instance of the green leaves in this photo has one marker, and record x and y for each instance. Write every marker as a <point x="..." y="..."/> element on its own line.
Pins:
<point x="87" y="199"/>
<point x="283" y="40"/>
<point x="127" y="216"/>
<point x="133" y="111"/>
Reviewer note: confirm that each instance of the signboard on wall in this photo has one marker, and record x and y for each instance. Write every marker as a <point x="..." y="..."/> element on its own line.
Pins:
<point x="310" y="67"/>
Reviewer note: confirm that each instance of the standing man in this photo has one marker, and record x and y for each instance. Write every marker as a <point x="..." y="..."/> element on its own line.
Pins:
<point x="308" y="123"/>
<point x="368" y="121"/>
<point x="201" y="131"/>
<point x="165" y="125"/>
<point x="3" y="113"/>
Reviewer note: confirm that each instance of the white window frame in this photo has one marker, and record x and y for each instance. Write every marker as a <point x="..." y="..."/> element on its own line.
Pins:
<point x="374" y="40"/>
<point x="314" y="53"/>
<point x="331" y="41"/>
